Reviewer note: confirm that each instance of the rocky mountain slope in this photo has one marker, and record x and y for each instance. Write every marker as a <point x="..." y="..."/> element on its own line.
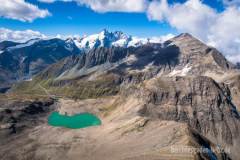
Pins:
<point x="198" y="101"/>
<point x="22" y="61"/>
<point x="182" y="55"/>
<point x="157" y="101"/>
<point x="109" y="68"/>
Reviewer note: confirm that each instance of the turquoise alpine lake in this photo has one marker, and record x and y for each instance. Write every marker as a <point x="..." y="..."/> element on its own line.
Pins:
<point x="76" y="121"/>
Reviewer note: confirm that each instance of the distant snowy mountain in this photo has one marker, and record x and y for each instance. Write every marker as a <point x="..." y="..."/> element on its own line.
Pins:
<point x="117" y="39"/>
<point x="103" y="39"/>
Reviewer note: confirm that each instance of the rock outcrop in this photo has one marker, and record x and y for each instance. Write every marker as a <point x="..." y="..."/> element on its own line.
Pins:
<point x="198" y="101"/>
<point x="18" y="115"/>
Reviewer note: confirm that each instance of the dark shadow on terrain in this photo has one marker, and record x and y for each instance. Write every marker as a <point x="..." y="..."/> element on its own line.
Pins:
<point x="153" y="54"/>
<point x="4" y="90"/>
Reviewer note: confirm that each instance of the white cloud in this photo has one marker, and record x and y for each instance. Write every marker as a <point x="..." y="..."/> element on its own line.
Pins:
<point x="115" y="5"/>
<point x="102" y="6"/>
<point x="19" y="36"/>
<point x="220" y="30"/>
<point x="192" y="16"/>
<point x="21" y="10"/>
<point x="225" y="33"/>
<point x="162" y="38"/>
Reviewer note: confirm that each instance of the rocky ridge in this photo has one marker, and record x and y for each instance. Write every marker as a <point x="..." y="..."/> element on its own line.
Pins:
<point x="21" y="61"/>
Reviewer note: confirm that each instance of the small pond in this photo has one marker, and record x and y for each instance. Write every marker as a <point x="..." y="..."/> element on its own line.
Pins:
<point x="75" y="121"/>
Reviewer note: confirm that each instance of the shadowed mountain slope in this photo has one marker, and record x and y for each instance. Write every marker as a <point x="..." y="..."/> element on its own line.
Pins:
<point x="22" y="61"/>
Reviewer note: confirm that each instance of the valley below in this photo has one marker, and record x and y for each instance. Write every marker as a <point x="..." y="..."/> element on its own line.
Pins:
<point x="124" y="136"/>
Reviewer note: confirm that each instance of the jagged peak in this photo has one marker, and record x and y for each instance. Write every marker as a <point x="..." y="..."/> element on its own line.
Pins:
<point x="115" y="34"/>
<point x="185" y="35"/>
<point x="104" y="32"/>
<point x="186" y="38"/>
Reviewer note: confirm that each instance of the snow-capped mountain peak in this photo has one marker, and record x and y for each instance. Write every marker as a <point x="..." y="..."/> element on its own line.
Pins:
<point x="118" y="39"/>
<point x="108" y="39"/>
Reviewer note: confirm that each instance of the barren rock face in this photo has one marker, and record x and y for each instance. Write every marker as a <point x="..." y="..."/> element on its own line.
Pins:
<point x="16" y="116"/>
<point x="233" y="83"/>
<point x="197" y="101"/>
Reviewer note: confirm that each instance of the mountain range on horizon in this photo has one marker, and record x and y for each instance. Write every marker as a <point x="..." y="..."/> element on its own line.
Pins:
<point x="104" y="39"/>
<point x="21" y="61"/>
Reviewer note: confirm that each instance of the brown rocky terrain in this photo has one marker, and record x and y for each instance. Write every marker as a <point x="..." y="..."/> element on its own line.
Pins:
<point x="125" y="136"/>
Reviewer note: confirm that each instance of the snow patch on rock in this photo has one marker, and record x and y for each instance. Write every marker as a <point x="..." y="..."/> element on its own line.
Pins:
<point x="28" y="43"/>
<point x="180" y="72"/>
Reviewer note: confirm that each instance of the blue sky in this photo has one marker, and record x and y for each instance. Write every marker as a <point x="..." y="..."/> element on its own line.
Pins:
<point x="68" y="18"/>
